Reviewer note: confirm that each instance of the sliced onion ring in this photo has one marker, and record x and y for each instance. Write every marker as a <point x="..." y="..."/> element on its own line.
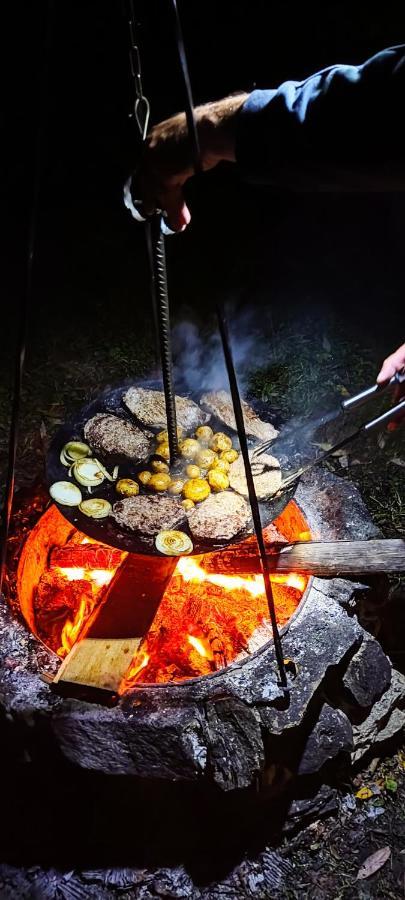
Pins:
<point x="74" y="450"/>
<point x="88" y="472"/>
<point x="64" y="459"/>
<point x="65" y="493"/>
<point x="104" y="471"/>
<point x="173" y="543"/>
<point x="96" y="508"/>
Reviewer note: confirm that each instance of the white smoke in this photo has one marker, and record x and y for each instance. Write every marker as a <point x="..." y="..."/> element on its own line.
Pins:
<point x="198" y="357"/>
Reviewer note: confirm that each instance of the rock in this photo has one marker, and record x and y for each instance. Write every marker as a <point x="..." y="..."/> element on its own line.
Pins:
<point x="319" y="638"/>
<point x="368" y="674"/>
<point x="236" y="754"/>
<point x="322" y="803"/>
<point x="331" y="735"/>
<point x="385" y="721"/>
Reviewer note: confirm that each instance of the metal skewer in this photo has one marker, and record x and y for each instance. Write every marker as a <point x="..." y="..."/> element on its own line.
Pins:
<point x="237" y="407"/>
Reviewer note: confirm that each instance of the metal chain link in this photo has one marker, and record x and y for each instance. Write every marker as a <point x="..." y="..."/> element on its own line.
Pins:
<point x="141" y="102"/>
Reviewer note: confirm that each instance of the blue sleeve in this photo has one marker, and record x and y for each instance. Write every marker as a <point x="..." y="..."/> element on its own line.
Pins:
<point x="343" y="124"/>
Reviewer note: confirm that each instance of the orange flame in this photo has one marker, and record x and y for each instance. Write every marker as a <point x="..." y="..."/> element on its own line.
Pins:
<point x="254" y="584"/>
<point x="99" y="576"/>
<point x="71" y="630"/>
<point x="98" y="579"/>
<point x="140" y="662"/>
<point x="199" y="645"/>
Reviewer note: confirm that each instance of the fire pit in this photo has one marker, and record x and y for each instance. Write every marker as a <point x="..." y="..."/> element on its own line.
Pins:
<point x="203" y="622"/>
<point x="198" y="695"/>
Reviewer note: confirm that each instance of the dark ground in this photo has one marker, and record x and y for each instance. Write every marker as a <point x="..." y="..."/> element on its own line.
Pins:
<point x="316" y="280"/>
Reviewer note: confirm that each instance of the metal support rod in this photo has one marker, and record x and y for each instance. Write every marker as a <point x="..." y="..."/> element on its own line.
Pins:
<point x="163" y="318"/>
<point x="237" y="407"/>
<point x="23" y="311"/>
<point x="190" y="115"/>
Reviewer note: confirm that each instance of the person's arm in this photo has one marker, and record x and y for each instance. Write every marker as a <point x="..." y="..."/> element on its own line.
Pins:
<point x="342" y="128"/>
<point x="167" y="165"/>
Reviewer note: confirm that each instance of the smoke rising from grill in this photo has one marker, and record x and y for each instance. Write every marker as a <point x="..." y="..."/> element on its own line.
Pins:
<point x="199" y="366"/>
<point x="198" y="358"/>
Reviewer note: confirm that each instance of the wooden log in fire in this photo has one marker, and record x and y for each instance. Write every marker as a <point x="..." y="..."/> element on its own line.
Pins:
<point x="114" y="632"/>
<point x="325" y="558"/>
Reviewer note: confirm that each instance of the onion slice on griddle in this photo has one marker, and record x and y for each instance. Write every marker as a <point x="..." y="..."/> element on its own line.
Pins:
<point x="74" y="450"/>
<point x="173" y="543"/>
<point x="105" y="473"/>
<point x="96" y="508"/>
<point x="88" y="472"/>
<point x="65" y="493"/>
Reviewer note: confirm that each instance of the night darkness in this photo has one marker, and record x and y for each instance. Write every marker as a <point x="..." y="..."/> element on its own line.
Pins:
<point x="321" y="250"/>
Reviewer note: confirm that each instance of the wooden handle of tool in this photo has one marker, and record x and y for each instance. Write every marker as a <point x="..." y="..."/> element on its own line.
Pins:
<point x="325" y="558"/>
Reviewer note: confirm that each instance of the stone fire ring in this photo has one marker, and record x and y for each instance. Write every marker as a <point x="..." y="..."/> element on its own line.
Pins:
<point x="233" y="729"/>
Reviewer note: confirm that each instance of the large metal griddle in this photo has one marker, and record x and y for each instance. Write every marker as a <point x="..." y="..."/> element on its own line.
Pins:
<point x="107" y="530"/>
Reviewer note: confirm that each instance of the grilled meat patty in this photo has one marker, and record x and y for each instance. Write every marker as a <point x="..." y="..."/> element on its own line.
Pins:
<point x="220" y="517"/>
<point x="149" y="515"/>
<point x="219" y="404"/>
<point x="110" y="435"/>
<point x="266" y="484"/>
<point x="149" y="407"/>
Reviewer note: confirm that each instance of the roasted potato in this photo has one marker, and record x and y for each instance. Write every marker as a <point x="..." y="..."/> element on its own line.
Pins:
<point x="205" y="458"/>
<point x="220" y="441"/>
<point x="193" y="471"/>
<point x="163" y="437"/>
<point x="159" y="482"/>
<point x="229" y="456"/>
<point x="176" y="486"/>
<point x="217" y="480"/>
<point x="188" y="504"/>
<point x="220" y="465"/>
<point x="144" y="477"/>
<point x="189" y="448"/>
<point x="127" y="487"/>
<point x="163" y="450"/>
<point x="204" y="434"/>
<point x="196" y="489"/>
<point x="158" y="466"/>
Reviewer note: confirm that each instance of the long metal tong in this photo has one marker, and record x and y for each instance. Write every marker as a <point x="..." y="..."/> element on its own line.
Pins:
<point x="351" y="403"/>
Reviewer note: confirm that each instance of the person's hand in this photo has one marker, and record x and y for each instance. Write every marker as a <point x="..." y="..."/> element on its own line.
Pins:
<point x="392" y="364"/>
<point x="166" y="163"/>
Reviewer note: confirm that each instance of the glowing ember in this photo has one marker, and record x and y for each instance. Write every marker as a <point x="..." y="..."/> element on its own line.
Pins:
<point x="304" y="536"/>
<point x="72" y="574"/>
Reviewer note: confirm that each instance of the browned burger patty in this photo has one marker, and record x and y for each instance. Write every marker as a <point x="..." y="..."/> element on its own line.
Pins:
<point x="267" y="482"/>
<point x="109" y="435"/>
<point x="220" y="517"/>
<point x="149" y="515"/>
<point x="149" y="407"/>
<point x="219" y="404"/>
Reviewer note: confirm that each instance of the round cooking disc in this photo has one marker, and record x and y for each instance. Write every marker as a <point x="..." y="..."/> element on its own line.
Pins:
<point x="107" y="530"/>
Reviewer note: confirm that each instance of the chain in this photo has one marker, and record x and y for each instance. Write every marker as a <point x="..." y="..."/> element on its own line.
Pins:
<point x="141" y="103"/>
